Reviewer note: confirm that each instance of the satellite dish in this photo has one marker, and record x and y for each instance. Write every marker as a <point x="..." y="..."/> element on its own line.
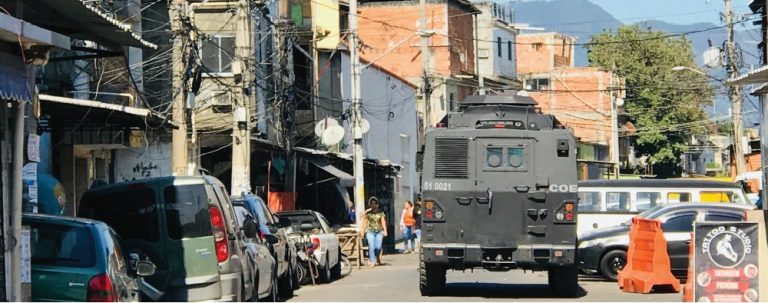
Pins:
<point x="332" y="135"/>
<point x="324" y="124"/>
<point x="365" y="125"/>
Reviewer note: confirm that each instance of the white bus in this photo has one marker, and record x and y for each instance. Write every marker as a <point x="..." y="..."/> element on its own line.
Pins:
<point x="604" y="203"/>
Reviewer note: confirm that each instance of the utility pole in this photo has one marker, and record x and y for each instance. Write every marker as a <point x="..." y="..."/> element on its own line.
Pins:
<point x="357" y="155"/>
<point x="480" y="79"/>
<point x="241" y="131"/>
<point x="425" y="58"/>
<point x="735" y="94"/>
<point x="179" y="155"/>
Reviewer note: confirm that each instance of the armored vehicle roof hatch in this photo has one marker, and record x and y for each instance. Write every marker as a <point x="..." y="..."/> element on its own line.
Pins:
<point x="499" y="100"/>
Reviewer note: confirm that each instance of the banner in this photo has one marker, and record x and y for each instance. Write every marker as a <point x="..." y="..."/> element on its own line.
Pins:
<point x="725" y="262"/>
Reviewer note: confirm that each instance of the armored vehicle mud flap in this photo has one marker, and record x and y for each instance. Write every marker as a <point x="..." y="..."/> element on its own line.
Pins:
<point x="463" y="256"/>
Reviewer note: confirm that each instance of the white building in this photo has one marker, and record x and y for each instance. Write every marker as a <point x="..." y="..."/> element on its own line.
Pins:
<point x="497" y="38"/>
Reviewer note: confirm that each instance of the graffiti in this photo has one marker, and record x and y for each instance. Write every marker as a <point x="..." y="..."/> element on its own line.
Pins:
<point x="145" y="170"/>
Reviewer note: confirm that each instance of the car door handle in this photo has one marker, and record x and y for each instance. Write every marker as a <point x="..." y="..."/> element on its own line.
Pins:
<point x="687" y="241"/>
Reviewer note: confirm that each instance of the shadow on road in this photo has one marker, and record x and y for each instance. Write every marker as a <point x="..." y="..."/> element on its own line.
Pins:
<point x="503" y="290"/>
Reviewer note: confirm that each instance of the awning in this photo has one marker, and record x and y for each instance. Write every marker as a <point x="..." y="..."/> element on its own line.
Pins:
<point x="345" y="179"/>
<point x="81" y="20"/>
<point x="14" y="84"/>
<point x="762" y="89"/>
<point x="74" y="112"/>
<point x="759" y="75"/>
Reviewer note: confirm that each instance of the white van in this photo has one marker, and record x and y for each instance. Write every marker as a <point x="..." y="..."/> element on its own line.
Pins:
<point x="604" y="203"/>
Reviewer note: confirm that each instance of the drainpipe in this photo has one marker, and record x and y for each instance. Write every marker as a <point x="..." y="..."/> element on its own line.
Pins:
<point x="13" y="235"/>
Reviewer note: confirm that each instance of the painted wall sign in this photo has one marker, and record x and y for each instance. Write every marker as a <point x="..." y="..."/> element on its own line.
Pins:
<point x="725" y="262"/>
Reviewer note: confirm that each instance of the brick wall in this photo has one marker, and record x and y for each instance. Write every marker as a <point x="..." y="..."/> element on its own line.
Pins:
<point x="578" y="97"/>
<point x="385" y="24"/>
<point x="539" y="53"/>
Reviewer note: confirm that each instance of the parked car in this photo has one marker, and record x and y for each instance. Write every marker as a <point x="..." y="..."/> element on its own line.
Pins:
<point x="261" y="260"/>
<point x="284" y="250"/>
<point x="185" y="225"/>
<point x="75" y="259"/>
<point x="325" y="242"/>
<point x="605" y="249"/>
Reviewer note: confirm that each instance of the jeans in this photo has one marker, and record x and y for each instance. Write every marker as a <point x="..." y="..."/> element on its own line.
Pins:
<point x="374" y="244"/>
<point x="409" y="237"/>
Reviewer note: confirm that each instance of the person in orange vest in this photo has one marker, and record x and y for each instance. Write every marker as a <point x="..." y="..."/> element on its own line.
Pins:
<point x="408" y="225"/>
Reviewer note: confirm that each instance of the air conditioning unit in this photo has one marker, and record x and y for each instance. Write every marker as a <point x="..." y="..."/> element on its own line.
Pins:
<point x="221" y="101"/>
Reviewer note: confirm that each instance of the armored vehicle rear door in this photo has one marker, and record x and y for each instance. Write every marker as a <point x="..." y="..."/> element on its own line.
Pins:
<point x="504" y="176"/>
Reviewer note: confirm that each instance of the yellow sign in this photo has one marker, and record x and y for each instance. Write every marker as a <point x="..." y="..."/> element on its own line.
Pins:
<point x="325" y="19"/>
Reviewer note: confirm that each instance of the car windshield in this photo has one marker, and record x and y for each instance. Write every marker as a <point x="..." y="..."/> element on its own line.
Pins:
<point x="650" y="213"/>
<point x="61" y="245"/>
<point x="309" y="221"/>
<point x="131" y="213"/>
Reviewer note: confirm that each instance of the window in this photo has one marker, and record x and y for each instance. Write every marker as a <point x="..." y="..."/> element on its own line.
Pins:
<point x="675" y="197"/>
<point x="715" y="196"/>
<point x="723" y="217"/>
<point x="506" y="158"/>
<point x="324" y="223"/>
<point x="617" y="201"/>
<point x="646" y="200"/>
<point x="679" y="223"/>
<point x="61" y="245"/>
<point x="217" y="54"/>
<point x="537" y="84"/>
<point x="589" y="201"/>
<point x="131" y="213"/>
<point x="187" y="211"/>
<point x="498" y="45"/>
<point x="509" y="50"/>
<point x="515" y="157"/>
<point x="493" y="157"/>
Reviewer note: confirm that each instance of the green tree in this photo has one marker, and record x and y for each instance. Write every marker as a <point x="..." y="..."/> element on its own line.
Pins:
<point x="666" y="106"/>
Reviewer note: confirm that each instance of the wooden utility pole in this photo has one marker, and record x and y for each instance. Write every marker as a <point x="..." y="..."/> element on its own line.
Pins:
<point x="357" y="155"/>
<point x="735" y="94"/>
<point x="180" y="153"/>
<point x="241" y="130"/>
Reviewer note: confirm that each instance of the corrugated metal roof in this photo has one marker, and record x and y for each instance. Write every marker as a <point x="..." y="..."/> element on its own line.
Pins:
<point x="759" y="75"/>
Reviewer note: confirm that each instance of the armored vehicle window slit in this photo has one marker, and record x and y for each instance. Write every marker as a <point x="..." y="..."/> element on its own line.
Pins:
<point x="451" y="156"/>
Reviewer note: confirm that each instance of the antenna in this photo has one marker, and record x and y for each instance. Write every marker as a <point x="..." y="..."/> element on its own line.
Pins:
<point x="332" y="135"/>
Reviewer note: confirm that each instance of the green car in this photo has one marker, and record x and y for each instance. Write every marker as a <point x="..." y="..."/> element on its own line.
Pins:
<point x="185" y="226"/>
<point x="76" y="259"/>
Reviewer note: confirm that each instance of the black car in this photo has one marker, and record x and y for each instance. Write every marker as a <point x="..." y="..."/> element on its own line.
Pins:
<point x="284" y="251"/>
<point x="605" y="250"/>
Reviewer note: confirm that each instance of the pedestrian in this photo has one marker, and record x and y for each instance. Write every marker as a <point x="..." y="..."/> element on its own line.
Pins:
<point x="374" y="228"/>
<point x="417" y="218"/>
<point x="408" y="226"/>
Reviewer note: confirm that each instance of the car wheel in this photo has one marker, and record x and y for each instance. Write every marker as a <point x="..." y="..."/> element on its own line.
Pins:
<point x="296" y="275"/>
<point x="612" y="263"/>
<point x="336" y="269"/>
<point x="325" y="272"/>
<point x="285" y="286"/>
<point x="431" y="278"/>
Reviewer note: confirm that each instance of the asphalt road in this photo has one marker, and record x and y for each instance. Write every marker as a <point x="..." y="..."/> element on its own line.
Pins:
<point x="397" y="280"/>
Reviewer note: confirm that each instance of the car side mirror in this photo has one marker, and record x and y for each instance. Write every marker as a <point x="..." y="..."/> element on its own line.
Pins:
<point x="284" y="222"/>
<point x="336" y="228"/>
<point x="145" y="268"/>
<point x="250" y="228"/>
<point x="272" y="239"/>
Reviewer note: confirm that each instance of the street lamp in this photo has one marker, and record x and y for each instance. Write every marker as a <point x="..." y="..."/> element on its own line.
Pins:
<point x="682" y="68"/>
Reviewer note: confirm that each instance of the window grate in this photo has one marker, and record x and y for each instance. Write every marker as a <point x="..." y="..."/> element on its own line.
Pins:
<point x="451" y="158"/>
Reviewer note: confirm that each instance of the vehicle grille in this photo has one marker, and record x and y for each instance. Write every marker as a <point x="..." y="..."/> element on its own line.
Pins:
<point x="451" y="158"/>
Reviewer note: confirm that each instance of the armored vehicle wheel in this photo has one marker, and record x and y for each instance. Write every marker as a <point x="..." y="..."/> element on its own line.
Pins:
<point x="431" y="278"/>
<point x="564" y="281"/>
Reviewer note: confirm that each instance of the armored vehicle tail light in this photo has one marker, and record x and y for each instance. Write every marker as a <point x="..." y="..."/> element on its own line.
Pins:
<point x="433" y="211"/>
<point x="500" y="124"/>
<point x="565" y="214"/>
<point x="440" y="125"/>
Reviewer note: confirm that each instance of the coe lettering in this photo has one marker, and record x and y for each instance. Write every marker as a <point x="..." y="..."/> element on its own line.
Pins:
<point x="563" y="188"/>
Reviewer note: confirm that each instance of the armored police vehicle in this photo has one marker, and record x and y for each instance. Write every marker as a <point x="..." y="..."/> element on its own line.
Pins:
<point x="499" y="191"/>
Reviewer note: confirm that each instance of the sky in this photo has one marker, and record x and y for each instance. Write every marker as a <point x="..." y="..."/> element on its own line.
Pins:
<point x="673" y="11"/>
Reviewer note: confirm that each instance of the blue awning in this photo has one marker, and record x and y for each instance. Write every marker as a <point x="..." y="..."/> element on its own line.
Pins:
<point x="14" y="84"/>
